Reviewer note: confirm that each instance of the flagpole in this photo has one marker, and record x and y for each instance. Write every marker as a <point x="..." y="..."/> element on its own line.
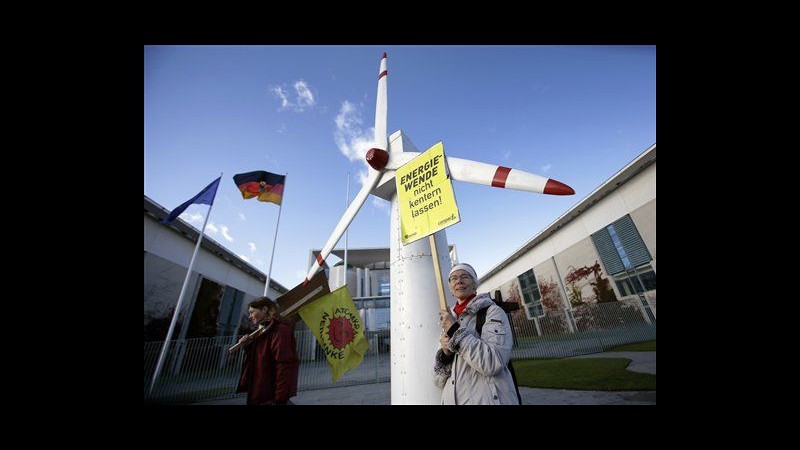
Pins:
<point x="181" y="298"/>
<point x="347" y="231"/>
<point x="275" y="239"/>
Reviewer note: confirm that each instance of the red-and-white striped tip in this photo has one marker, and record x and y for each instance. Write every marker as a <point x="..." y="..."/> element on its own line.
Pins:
<point x="377" y="158"/>
<point x="554" y="187"/>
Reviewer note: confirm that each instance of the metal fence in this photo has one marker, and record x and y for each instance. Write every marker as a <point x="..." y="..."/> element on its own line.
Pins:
<point x="200" y="369"/>
<point x="588" y="328"/>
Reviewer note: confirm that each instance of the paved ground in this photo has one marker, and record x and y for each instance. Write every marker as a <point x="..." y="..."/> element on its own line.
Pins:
<point x="380" y="393"/>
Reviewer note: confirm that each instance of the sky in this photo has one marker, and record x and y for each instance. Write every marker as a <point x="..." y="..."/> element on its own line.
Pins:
<point x="577" y="114"/>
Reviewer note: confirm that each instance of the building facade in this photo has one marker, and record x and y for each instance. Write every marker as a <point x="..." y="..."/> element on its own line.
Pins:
<point x="600" y="252"/>
<point x="218" y="291"/>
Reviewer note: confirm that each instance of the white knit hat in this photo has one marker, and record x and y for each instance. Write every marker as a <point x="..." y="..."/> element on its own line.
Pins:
<point x="465" y="267"/>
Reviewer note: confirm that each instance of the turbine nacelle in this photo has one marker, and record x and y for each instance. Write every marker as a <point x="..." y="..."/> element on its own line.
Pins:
<point x="377" y="158"/>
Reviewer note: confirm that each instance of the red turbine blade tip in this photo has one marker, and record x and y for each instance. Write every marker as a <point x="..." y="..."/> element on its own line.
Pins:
<point x="554" y="187"/>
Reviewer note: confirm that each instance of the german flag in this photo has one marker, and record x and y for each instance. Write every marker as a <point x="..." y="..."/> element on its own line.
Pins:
<point x="266" y="186"/>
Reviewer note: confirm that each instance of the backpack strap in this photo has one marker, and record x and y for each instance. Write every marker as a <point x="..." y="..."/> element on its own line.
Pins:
<point x="480" y="319"/>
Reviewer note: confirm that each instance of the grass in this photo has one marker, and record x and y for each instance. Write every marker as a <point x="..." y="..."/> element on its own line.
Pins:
<point x="594" y="374"/>
<point x="649" y="346"/>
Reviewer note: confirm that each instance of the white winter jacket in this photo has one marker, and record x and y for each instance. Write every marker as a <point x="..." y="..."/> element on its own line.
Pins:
<point x="477" y="373"/>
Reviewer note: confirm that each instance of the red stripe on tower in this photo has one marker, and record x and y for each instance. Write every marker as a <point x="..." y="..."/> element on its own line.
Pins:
<point x="385" y="72"/>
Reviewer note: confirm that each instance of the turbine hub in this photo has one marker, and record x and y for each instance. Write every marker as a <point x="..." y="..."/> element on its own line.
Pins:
<point x="377" y="158"/>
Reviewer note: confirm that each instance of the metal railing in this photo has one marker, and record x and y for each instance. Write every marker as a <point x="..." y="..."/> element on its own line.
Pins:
<point x="595" y="328"/>
<point x="201" y="368"/>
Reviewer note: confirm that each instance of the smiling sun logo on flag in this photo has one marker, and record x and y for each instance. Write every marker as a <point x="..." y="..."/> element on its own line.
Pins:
<point x="340" y="331"/>
<point x="338" y="328"/>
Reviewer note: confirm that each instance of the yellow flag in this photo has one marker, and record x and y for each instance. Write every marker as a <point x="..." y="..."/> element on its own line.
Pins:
<point x="338" y="328"/>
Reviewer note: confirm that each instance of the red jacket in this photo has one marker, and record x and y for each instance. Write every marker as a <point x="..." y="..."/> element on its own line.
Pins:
<point x="269" y="372"/>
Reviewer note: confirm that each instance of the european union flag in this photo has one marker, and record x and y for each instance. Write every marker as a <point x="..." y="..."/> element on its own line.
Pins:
<point x="205" y="197"/>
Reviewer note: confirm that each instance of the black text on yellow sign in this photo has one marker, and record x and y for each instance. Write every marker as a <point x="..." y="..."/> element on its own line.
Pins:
<point x="425" y="195"/>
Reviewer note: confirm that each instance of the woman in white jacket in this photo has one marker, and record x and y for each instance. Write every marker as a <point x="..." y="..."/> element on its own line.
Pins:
<point x="470" y="368"/>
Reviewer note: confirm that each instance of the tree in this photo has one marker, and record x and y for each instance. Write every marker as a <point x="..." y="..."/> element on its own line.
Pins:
<point x="551" y="296"/>
<point x="600" y="286"/>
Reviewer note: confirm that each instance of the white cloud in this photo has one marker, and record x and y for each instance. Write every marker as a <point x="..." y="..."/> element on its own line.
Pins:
<point x="351" y="138"/>
<point x="244" y="258"/>
<point x="225" y="233"/>
<point x="252" y="246"/>
<point x="546" y="168"/>
<point x="194" y="219"/>
<point x="362" y="176"/>
<point x="278" y="91"/>
<point x="305" y="99"/>
<point x="301" y="99"/>
<point x="382" y="204"/>
<point x="354" y="141"/>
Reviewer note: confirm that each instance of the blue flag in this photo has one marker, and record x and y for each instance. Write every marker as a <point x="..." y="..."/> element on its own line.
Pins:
<point x="206" y="197"/>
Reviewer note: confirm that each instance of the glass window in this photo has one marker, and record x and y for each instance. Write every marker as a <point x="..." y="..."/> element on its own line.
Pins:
<point x="629" y="284"/>
<point x="531" y="296"/>
<point x="620" y="249"/>
<point x="620" y="246"/>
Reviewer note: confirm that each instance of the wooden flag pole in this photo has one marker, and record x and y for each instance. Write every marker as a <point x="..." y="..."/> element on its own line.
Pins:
<point x="438" y="271"/>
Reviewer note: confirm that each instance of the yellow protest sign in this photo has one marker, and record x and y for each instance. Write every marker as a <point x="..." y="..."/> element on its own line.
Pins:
<point x="425" y="195"/>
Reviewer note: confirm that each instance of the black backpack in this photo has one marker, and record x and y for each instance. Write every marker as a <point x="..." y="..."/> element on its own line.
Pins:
<point x="481" y="319"/>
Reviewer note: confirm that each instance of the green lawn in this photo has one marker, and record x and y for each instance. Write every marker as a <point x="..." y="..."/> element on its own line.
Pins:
<point x="649" y="346"/>
<point x="594" y="374"/>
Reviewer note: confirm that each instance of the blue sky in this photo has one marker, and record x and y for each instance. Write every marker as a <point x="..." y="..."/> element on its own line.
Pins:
<point x="574" y="113"/>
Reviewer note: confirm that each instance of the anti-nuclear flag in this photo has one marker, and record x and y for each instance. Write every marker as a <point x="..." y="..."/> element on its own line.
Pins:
<point x="335" y="322"/>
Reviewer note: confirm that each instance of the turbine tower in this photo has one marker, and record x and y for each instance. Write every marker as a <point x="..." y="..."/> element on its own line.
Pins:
<point x="414" y="300"/>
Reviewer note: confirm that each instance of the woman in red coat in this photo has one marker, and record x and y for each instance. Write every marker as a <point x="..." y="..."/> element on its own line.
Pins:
<point x="269" y="372"/>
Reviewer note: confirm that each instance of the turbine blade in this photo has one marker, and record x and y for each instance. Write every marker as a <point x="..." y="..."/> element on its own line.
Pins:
<point x="381" y="139"/>
<point x="344" y="222"/>
<point x="504" y="177"/>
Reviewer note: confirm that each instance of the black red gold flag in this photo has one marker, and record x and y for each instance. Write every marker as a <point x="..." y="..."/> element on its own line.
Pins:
<point x="266" y="186"/>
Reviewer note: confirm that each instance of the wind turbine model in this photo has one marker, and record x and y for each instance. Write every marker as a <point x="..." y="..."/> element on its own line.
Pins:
<point x="414" y="306"/>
